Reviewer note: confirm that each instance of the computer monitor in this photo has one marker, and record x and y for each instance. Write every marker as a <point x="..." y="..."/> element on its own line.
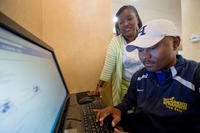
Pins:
<point x="33" y="94"/>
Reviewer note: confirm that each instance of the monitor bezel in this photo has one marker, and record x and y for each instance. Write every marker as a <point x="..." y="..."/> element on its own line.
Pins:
<point x="10" y="25"/>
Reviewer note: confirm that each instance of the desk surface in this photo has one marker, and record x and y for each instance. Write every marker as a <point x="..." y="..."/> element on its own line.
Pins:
<point x="73" y="120"/>
<point x="74" y="116"/>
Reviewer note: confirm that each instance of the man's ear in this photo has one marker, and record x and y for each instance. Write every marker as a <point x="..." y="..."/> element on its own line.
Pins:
<point x="176" y="42"/>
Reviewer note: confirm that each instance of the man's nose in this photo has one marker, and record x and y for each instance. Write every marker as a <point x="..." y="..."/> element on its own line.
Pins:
<point x="146" y="54"/>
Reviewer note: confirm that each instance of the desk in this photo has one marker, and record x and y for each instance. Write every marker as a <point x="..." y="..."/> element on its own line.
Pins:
<point x="73" y="123"/>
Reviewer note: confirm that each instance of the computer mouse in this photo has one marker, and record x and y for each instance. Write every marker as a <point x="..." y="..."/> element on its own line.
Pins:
<point x="86" y="100"/>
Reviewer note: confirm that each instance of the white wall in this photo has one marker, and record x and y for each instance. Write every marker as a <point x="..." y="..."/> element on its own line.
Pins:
<point x="78" y="30"/>
<point x="191" y="25"/>
<point x="154" y="9"/>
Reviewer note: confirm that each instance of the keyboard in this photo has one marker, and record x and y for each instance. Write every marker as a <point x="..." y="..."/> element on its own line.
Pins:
<point x="89" y="118"/>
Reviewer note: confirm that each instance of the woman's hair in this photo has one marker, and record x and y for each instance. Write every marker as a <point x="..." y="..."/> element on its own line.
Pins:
<point x="117" y="29"/>
<point x="132" y="8"/>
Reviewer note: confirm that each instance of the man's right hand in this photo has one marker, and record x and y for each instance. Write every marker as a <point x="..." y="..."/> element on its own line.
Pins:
<point x="103" y="113"/>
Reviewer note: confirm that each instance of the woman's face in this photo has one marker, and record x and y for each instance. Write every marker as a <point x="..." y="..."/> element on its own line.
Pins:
<point x="128" y="22"/>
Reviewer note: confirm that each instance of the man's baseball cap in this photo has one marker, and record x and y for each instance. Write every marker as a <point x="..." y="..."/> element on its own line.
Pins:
<point x="151" y="33"/>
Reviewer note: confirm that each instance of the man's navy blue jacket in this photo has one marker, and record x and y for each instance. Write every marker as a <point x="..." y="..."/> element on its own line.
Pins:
<point x="170" y="106"/>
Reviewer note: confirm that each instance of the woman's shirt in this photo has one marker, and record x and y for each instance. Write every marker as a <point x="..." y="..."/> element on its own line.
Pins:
<point x="113" y="69"/>
<point x="131" y="62"/>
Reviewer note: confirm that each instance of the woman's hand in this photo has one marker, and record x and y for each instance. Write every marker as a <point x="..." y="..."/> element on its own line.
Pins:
<point x="97" y="92"/>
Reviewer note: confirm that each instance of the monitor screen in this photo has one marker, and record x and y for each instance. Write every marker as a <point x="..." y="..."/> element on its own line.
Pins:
<point x="32" y="91"/>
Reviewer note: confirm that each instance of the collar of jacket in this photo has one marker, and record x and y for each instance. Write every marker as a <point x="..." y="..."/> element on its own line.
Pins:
<point x="169" y="73"/>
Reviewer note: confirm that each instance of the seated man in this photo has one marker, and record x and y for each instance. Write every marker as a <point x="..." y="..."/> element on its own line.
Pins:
<point x="165" y="94"/>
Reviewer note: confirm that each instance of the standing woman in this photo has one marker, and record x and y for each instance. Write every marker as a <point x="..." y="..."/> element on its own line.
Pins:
<point x="119" y="64"/>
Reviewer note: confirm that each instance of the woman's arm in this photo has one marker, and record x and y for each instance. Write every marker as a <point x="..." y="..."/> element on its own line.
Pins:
<point x="108" y="67"/>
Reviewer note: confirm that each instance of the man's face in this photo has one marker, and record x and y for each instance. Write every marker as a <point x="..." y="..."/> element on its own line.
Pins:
<point x="160" y="56"/>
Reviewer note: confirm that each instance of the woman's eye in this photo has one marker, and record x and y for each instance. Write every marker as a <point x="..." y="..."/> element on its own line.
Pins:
<point x="129" y="18"/>
<point x="121" y="22"/>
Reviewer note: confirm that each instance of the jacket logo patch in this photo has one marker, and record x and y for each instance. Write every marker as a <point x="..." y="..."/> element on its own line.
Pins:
<point x="140" y="89"/>
<point x="172" y="104"/>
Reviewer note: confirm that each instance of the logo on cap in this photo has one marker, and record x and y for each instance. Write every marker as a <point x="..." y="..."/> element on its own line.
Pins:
<point x="142" y="30"/>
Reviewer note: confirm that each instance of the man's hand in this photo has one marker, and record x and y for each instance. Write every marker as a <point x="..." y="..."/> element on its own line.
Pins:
<point x="103" y="113"/>
<point x="116" y="130"/>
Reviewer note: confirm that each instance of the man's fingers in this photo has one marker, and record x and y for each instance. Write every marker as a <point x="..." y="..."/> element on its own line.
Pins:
<point x="115" y="121"/>
<point x="97" y="111"/>
<point x="101" y="123"/>
<point x="118" y="131"/>
<point x="101" y="114"/>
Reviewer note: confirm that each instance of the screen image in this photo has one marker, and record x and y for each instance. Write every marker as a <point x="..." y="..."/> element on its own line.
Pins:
<point x="32" y="92"/>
